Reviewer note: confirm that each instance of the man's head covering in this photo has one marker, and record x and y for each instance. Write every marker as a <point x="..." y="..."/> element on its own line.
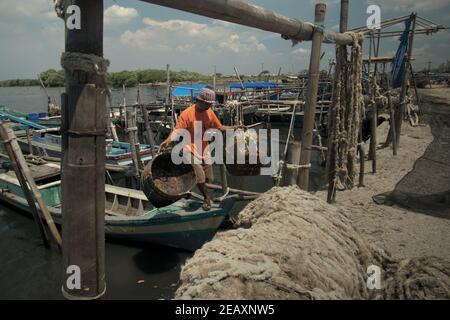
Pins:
<point x="207" y="95"/>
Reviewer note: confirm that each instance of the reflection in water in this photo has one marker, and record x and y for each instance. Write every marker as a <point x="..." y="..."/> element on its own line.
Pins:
<point x="30" y="271"/>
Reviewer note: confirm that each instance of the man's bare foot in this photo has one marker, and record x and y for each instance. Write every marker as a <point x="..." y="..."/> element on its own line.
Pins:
<point x="206" y="205"/>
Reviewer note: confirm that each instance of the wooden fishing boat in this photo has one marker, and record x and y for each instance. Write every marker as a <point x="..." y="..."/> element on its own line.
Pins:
<point x="128" y="214"/>
<point x="39" y="118"/>
<point x="47" y="142"/>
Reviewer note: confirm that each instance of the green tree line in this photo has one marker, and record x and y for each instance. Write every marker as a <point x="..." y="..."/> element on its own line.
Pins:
<point x="444" y="67"/>
<point x="55" y="78"/>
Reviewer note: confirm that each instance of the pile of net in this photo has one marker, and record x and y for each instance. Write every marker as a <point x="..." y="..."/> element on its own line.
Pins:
<point x="292" y="245"/>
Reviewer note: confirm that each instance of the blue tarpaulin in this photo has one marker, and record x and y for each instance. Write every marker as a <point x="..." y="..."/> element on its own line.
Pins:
<point x="253" y="85"/>
<point x="399" y="59"/>
<point x="188" y="90"/>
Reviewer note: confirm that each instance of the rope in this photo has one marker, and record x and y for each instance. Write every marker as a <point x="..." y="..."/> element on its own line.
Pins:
<point x="298" y="166"/>
<point x="60" y="6"/>
<point x="90" y="63"/>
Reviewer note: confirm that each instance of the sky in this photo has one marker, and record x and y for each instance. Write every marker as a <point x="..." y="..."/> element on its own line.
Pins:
<point x="139" y="35"/>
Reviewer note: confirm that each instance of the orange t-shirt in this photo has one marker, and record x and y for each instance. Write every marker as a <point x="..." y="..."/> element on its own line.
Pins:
<point x="208" y="120"/>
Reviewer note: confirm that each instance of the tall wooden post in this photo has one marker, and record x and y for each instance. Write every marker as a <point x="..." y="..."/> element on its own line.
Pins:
<point x="134" y="145"/>
<point x="404" y="91"/>
<point x="374" y="124"/>
<point x="343" y="22"/>
<point x="293" y="156"/>
<point x="311" y="98"/>
<point x="83" y="163"/>
<point x="168" y="83"/>
<point x="215" y="78"/>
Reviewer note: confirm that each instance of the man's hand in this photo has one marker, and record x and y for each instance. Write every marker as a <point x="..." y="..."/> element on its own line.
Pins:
<point x="163" y="146"/>
<point x="240" y="126"/>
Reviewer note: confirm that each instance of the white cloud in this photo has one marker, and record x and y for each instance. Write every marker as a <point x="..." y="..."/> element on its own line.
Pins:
<point x="26" y="8"/>
<point x="187" y="36"/>
<point x="119" y="15"/>
<point x="410" y="5"/>
<point x="31" y="9"/>
<point x="301" y="52"/>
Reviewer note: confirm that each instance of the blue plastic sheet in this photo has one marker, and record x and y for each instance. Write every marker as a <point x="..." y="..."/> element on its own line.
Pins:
<point x="400" y="57"/>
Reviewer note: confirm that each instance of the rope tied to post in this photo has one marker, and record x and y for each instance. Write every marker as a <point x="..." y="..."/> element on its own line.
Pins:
<point x="90" y="63"/>
<point x="93" y="65"/>
<point x="60" y="6"/>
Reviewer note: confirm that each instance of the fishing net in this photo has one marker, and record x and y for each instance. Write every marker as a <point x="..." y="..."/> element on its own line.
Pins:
<point x="346" y="115"/>
<point x="292" y="245"/>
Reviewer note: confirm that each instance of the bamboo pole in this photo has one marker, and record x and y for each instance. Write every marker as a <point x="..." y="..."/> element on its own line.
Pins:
<point x="148" y="129"/>
<point x="131" y="130"/>
<point x="30" y="145"/>
<point x="224" y="178"/>
<point x="247" y="14"/>
<point x="111" y="126"/>
<point x="83" y="163"/>
<point x="373" y="127"/>
<point x="311" y="99"/>
<point x="168" y="95"/>
<point x="231" y="190"/>
<point x="392" y="115"/>
<point x="293" y="157"/>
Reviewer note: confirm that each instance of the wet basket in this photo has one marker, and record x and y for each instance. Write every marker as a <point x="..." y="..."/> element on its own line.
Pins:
<point x="164" y="182"/>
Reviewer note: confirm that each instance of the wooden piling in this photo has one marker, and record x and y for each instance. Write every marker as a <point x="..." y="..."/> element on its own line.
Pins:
<point x="30" y="145"/>
<point x="111" y="126"/>
<point x="83" y="164"/>
<point x="374" y="126"/>
<point x="311" y="98"/>
<point x="224" y="178"/>
<point x="392" y="116"/>
<point x="131" y="130"/>
<point x="293" y="157"/>
<point x="168" y="95"/>
<point x="148" y="130"/>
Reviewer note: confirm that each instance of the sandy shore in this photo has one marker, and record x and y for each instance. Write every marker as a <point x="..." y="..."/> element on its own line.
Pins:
<point x="420" y="168"/>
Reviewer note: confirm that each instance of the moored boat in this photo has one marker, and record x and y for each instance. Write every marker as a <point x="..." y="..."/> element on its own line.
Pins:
<point x="128" y="214"/>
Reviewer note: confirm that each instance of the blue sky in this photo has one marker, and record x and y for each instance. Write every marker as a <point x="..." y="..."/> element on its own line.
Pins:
<point x="140" y="35"/>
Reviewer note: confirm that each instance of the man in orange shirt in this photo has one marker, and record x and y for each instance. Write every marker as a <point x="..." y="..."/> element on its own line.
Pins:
<point x="201" y="113"/>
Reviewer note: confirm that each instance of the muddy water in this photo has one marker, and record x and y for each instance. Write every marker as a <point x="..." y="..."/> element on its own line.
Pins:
<point x="134" y="271"/>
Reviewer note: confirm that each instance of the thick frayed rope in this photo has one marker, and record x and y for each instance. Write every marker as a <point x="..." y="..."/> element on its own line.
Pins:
<point x="90" y="63"/>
